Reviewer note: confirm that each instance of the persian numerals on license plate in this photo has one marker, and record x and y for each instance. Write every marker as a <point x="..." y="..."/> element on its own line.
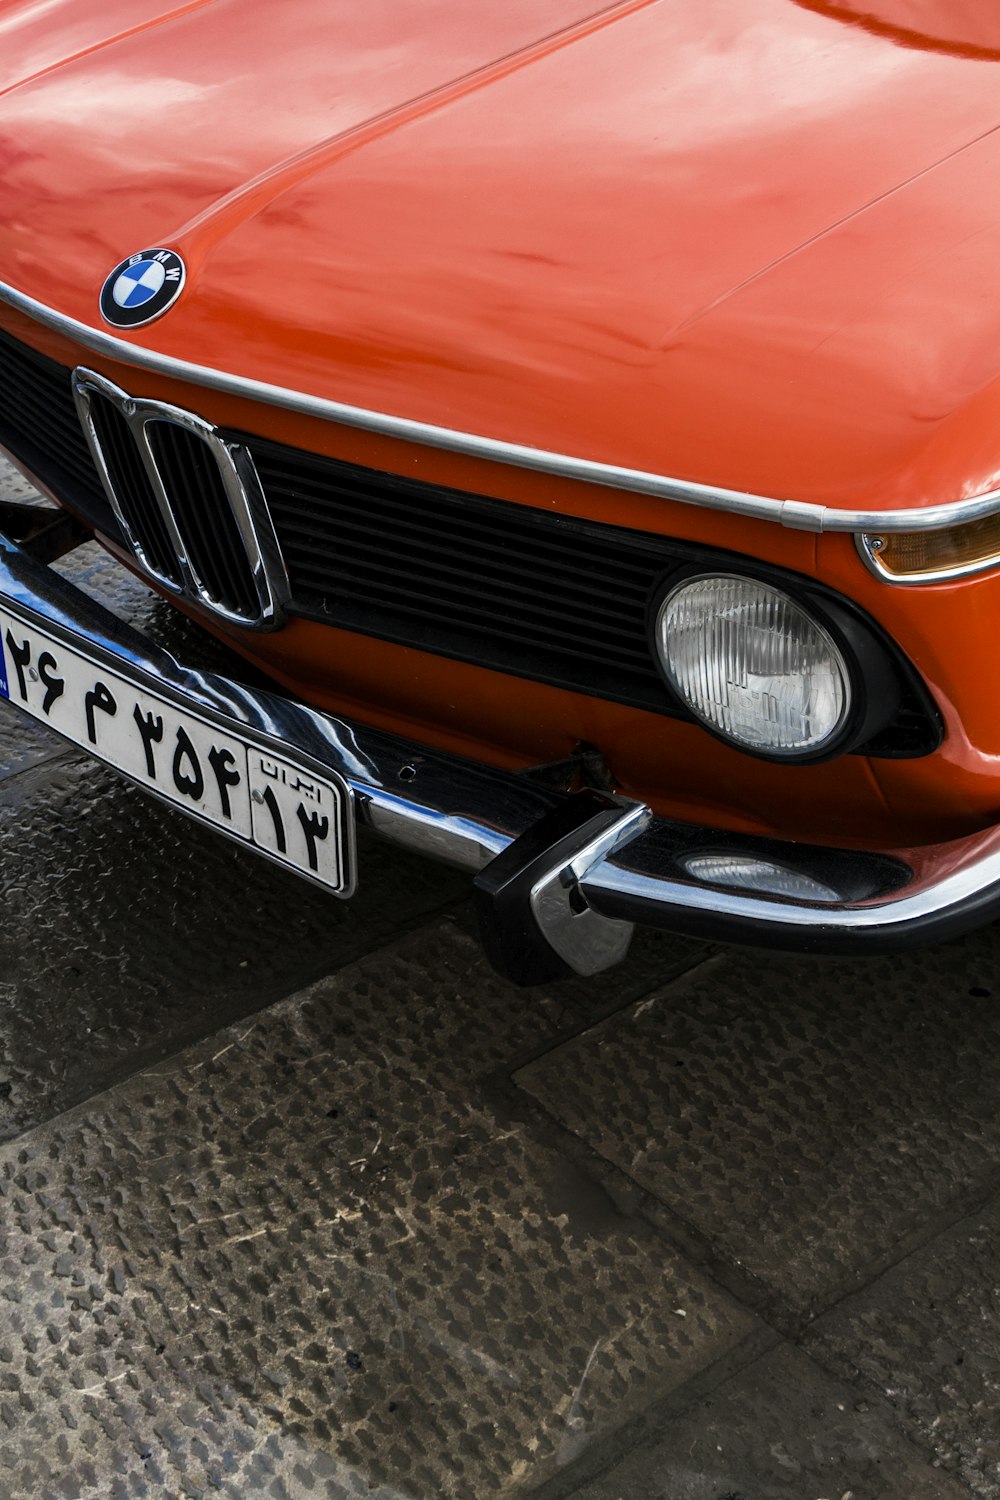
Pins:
<point x="260" y="797"/>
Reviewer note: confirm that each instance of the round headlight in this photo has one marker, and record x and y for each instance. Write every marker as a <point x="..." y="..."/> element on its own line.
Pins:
<point x="750" y="663"/>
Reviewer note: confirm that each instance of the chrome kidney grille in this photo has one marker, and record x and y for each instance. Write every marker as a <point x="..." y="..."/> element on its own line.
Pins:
<point x="188" y="501"/>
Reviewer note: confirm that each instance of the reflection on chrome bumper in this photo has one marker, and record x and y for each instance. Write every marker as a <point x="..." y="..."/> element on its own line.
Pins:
<point x="561" y="879"/>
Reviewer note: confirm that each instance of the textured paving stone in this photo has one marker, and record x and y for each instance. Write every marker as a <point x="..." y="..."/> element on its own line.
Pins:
<point x="926" y="1338"/>
<point x="128" y="930"/>
<point x="781" y="1428"/>
<point x="23" y="743"/>
<point x="13" y="486"/>
<point x="804" y="1116"/>
<point x="304" y="1258"/>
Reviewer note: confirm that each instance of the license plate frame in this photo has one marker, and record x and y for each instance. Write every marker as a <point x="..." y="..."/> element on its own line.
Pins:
<point x="263" y="793"/>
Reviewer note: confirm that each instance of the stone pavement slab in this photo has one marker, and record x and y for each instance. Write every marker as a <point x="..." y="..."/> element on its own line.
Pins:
<point x="25" y="743"/>
<point x="805" y="1118"/>
<point x="925" y="1338"/>
<point x="13" y="485"/>
<point x="128" y="931"/>
<point x="306" y="1258"/>
<point x="781" y="1429"/>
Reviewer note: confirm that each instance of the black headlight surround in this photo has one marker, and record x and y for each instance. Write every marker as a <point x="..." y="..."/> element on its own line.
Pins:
<point x="882" y="681"/>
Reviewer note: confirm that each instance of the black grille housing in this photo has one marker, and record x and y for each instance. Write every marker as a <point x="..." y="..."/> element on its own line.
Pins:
<point x="39" y="424"/>
<point x="500" y="585"/>
<point x="485" y="581"/>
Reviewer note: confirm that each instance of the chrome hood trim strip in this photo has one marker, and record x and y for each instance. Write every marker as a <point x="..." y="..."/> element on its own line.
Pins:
<point x="797" y="515"/>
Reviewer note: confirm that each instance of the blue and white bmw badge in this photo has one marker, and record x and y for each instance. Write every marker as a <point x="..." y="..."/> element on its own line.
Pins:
<point x="141" y="288"/>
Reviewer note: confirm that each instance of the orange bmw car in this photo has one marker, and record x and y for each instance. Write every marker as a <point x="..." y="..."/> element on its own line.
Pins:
<point x="588" y="417"/>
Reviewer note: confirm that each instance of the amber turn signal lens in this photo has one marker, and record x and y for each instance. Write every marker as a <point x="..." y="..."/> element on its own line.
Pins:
<point x="927" y="555"/>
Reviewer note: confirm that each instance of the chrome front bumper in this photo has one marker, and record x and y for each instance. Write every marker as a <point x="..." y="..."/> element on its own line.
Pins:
<point x="560" y="879"/>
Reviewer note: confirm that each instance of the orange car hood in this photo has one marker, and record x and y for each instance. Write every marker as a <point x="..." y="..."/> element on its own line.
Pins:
<point x="745" y="242"/>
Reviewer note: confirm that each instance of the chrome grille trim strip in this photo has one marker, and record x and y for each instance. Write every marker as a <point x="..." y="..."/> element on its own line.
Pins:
<point x="84" y="406"/>
<point x="797" y="515"/>
<point x="242" y="490"/>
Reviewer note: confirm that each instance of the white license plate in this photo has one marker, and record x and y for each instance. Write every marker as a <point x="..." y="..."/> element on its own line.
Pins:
<point x="259" y="796"/>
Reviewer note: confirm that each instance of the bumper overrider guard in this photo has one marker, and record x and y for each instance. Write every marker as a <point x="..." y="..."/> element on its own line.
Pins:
<point x="560" y="879"/>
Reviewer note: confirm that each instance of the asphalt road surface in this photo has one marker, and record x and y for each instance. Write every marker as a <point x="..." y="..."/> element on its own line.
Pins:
<point x="298" y="1200"/>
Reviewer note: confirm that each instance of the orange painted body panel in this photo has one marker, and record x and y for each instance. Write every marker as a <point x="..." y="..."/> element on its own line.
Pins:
<point x="745" y="242"/>
<point x="737" y="242"/>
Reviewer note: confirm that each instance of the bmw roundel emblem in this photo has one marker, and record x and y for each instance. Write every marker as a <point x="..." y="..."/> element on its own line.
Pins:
<point x="141" y="288"/>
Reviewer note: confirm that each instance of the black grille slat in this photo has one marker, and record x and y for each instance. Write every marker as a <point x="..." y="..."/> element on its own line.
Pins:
<point x="574" y="637"/>
<point x="133" y="487"/>
<point x="341" y="511"/>
<point x="464" y="612"/>
<point x="344" y="530"/>
<point x="295" y="478"/>
<point x="351" y="557"/>
<point x="178" y="484"/>
<point x="484" y="643"/>
<point x="204" y="517"/>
